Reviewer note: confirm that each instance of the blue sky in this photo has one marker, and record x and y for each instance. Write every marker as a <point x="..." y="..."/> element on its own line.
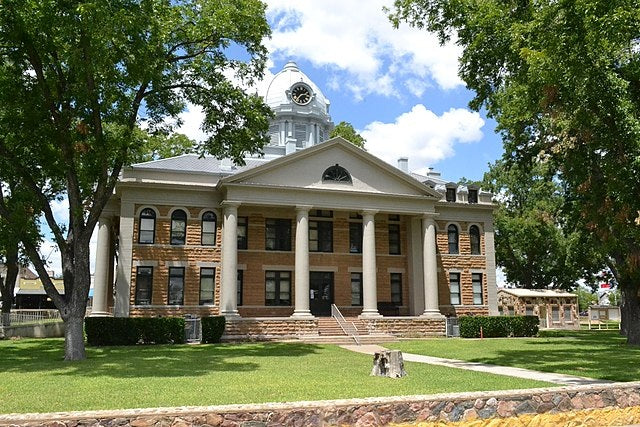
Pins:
<point x="399" y="88"/>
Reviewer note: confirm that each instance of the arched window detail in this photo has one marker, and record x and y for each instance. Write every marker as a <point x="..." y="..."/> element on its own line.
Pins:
<point x="147" y="226"/>
<point x="178" y="227"/>
<point x="474" y="238"/>
<point x="452" y="231"/>
<point x="336" y="173"/>
<point x="209" y="223"/>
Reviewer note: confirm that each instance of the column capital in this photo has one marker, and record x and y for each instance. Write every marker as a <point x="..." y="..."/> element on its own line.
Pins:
<point x="369" y="212"/>
<point x="104" y="219"/>
<point x="230" y="204"/>
<point x="303" y="208"/>
<point x="430" y="215"/>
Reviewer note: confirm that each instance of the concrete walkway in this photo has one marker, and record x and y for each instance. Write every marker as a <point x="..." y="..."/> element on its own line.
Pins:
<point x="560" y="379"/>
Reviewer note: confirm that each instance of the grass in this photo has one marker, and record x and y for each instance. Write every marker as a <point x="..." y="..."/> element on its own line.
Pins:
<point x="593" y="354"/>
<point x="36" y="379"/>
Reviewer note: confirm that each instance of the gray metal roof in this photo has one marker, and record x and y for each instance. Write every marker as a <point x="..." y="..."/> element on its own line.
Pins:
<point x="195" y="163"/>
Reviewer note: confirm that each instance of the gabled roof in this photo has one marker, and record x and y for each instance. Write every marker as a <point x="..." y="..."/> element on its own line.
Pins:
<point x="327" y="145"/>
<point x="549" y="293"/>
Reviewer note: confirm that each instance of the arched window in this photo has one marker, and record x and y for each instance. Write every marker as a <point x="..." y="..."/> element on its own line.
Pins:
<point x="336" y="173"/>
<point x="452" y="230"/>
<point x="178" y="227"/>
<point x="474" y="237"/>
<point x="209" y="221"/>
<point x="147" y="226"/>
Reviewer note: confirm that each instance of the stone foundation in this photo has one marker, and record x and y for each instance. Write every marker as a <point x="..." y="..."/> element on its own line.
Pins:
<point x="267" y="329"/>
<point x="407" y="327"/>
<point x="477" y="409"/>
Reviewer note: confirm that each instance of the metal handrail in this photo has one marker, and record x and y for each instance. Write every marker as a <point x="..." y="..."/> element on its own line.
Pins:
<point x="348" y="328"/>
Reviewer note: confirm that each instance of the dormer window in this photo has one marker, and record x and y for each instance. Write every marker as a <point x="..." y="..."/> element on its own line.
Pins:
<point x="473" y="195"/>
<point x="451" y="194"/>
<point x="336" y="173"/>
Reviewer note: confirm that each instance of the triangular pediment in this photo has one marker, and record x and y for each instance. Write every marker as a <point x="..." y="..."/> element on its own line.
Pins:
<point x="307" y="168"/>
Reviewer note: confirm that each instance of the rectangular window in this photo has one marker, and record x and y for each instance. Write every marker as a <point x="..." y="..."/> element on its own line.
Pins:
<point x="356" y="289"/>
<point x="176" y="286"/>
<point x="144" y="285"/>
<point x="451" y="194"/>
<point x="320" y="236"/>
<point x="396" y="288"/>
<point x="278" y="288"/>
<point x="278" y="234"/>
<point x="242" y="230"/>
<point x="394" y="239"/>
<point x="454" y="287"/>
<point x="355" y="237"/>
<point x="555" y="313"/>
<point x="473" y="196"/>
<point x="476" y="280"/>
<point x="239" y="284"/>
<point x="528" y="310"/>
<point x="567" y="314"/>
<point x="207" y="280"/>
<point x="147" y="230"/>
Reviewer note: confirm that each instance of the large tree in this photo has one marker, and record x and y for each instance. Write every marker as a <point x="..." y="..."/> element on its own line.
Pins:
<point x="77" y="78"/>
<point x="346" y="130"/>
<point x="535" y="245"/>
<point x="562" y="79"/>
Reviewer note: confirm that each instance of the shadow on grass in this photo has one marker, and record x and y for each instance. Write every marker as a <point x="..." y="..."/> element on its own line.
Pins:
<point x="595" y="354"/>
<point x="146" y="361"/>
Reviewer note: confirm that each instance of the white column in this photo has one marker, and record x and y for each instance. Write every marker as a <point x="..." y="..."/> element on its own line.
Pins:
<point x="229" y="273"/>
<point x="369" y="271"/>
<point x="101" y="274"/>
<point x="431" y="305"/>
<point x="302" y="263"/>
<point x="122" y="299"/>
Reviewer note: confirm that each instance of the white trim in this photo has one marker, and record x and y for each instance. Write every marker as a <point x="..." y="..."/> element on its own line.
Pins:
<point x="477" y="224"/>
<point x="454" y="270"/>
<point x="204" y="264"/>
<point x="144" y="263"/>
<point x="216" y="211"/>
<point x="354" y="270"/>
<point x="478" y="270"/>
<point x="175" y="208"/>
<point x="176" y="264"/>
<point x="143" y="207"/>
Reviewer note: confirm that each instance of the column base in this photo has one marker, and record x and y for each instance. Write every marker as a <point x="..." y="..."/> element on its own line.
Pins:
<point x="369" y="314"/>
<point x="302" y="314"/>
<point x="100" y="314"/>
<point x="231" y="314"/>
<point x="432" y="314"/>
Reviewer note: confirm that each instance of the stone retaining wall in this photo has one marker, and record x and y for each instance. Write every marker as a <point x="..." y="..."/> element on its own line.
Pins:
<point x="41" y="330"/>
<point x="407" y="327"/>
<point x="470" y="407"/>
<point x="265" y="329"/>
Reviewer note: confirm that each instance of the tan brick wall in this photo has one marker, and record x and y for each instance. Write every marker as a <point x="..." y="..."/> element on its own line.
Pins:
<point x="268" y="328"/>
<point x="406" y="327"/>
<point x="255" y="260"/>
<point x="463" y="263"/>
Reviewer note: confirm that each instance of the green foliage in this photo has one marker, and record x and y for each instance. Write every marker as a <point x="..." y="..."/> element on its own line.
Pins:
<point x="86" y="86"/>
<point x="498" y="326"/>
<point x="161" y="146"/>
<point x="346" y="130"/>
<point x="562" y="80"/>
<point x="102" y="331"/>
<point x="212" y="328"/>
<point x="534" y="245"/>
<point x="586" y="298"/>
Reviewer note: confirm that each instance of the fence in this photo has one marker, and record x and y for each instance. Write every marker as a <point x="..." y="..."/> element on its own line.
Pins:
<point x="26" y="317"/>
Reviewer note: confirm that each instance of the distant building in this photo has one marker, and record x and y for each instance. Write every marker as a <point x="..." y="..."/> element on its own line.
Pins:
<point x="556" y="309"/>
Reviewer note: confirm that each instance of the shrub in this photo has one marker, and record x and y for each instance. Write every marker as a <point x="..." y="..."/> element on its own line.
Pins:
<point x="134" y="330"/>
<point x="498" y="326"/>
<point x="212" y="328"/>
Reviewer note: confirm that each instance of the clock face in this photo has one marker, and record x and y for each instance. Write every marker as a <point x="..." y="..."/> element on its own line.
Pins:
<point x="301" y="95"/>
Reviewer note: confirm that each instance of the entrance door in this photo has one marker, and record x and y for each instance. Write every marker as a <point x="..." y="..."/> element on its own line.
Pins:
<point x="320" y="293"/>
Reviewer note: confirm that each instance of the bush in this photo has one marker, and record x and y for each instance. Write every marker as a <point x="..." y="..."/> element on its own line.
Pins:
<point x="134" y="330"/>
<point x="498" y="326"/>
<point x="212" y="328"/>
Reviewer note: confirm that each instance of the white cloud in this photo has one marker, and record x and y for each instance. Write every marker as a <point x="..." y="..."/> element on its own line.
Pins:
<point x="357" y="38"/>
<point x="423" y="136"/>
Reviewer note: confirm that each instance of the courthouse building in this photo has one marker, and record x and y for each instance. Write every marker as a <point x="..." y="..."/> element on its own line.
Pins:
<point x="310" y="225"/>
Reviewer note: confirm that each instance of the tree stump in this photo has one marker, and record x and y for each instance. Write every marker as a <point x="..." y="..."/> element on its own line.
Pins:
<point x="388" y="363"/>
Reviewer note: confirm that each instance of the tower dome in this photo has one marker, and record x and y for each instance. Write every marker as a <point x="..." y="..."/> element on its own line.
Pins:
<point x="301" y="109"/>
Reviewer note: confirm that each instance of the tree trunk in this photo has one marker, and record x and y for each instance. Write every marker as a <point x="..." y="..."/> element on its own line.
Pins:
<point x="8" y="286"/>
<point x="630" y="311"/>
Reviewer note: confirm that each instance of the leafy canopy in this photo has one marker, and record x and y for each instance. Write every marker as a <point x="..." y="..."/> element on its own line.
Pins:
<point x="346" y="130"/>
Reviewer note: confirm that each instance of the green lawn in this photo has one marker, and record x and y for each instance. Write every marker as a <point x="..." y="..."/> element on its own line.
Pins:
<point x="594" y="354"/>
<point x="35" y="378"/>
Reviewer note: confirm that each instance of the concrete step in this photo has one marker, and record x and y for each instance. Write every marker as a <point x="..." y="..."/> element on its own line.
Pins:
<point x="343" y="339"/>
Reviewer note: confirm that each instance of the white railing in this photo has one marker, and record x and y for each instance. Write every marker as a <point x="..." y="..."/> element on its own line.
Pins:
<point x="21" y="317"/>
<point x="348" y="327"/>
